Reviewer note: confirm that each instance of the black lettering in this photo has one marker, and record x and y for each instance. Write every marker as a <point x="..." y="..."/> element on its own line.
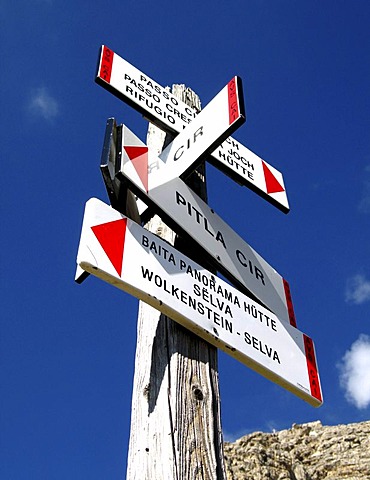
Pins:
<point x="178" y="155"/>
<point x="180" y="200"/>
<point x="192" y="303"/>
<point x="228" y="296"/>
<point x="200" y="308"/>
<point x="220" y="238"/>
<point x="205" y="295"/>
<point x="183" y="297"/>
<point x="235" y="144"/>
<point x="197" y="133"/>
<point x="228" y="325"/>
<point x="228" y="311"/>
<point x="205" y="280"/>
<point x="268" y="349"/>
<point x="165" y="286"/>
<point x="247" y="338"/>
<point x="241" y="258"/>
<point x="146" y="273"/>
<point x="222" y="155"/>
<point x="189" y="270"/>
<point x="153" y="247"/>
<point x="206" y="227"/>
<point x="176" y="112"/>
<point x="157" y="110"/>
<point x="145" y="241"/>
<point x="198" y="214"/>
<point x="248" y="264"/>
<point x="259" y="275"/>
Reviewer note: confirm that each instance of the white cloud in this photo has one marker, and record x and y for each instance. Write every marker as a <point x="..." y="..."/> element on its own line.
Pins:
<point x="355" y="372"/>
<point x="357" y="290"/>
<point x="42" y="104"/>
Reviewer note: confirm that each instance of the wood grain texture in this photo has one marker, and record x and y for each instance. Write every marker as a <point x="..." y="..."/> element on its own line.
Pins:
<point x="175" y="417"/>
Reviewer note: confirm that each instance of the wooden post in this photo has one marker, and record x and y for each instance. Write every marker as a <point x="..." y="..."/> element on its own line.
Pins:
<point x="175" y="417"/>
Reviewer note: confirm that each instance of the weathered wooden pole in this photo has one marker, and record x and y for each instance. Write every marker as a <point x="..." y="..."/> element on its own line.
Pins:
<point x="175" y="417"/>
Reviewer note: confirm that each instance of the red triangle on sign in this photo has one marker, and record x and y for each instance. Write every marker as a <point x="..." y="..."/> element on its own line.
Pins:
<point x="139" y="159"/>
<point x="111" y="237"/>
<point x="272" y="185"/>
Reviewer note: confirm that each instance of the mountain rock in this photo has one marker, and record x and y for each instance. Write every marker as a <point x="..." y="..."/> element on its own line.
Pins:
<point x="309" y="451"/>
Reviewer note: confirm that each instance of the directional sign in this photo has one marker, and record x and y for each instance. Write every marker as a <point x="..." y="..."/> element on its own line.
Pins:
<point x="208" y="130"/>
<point x="188" y="215"/>
<point x="162" y="108"/>
<point x="122" y="253"/>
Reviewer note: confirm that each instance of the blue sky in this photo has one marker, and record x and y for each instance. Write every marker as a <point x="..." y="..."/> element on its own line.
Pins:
<point x="67" y="350"/>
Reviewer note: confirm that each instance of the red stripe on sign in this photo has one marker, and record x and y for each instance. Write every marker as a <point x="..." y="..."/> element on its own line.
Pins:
<point x="106" y="64"/>
<point x="289" y="303"/>
<point x="139" y="158"/>
<point x="272" y="184"/>
<point x="111" y="236"/>
<point x="232" y="91"/>
<point x="312" y="368"/>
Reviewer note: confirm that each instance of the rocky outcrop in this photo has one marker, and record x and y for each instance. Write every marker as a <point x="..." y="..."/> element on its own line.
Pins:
<point x="304" y="452"/>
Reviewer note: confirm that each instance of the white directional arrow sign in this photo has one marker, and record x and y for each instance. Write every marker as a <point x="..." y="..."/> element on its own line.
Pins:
<point x="120" y="252"/>
<point x="164" y="109"/>
<point x="223" y="115"/>
<point x="187" y="214"/>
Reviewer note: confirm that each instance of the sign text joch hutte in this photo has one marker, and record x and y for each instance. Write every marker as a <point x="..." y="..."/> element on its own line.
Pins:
<point x="164" y="109"/>
<point x="124" y="254"/>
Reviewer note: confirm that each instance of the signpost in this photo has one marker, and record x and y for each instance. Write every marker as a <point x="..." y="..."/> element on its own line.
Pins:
<point x="187" y="214"/>
<point x="254" y="323"/>
<point x="162" y="108"/>
<point x="120" y="252"/>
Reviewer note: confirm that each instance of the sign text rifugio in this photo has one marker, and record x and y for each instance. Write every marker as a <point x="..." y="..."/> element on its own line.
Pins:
<point x="171" y="114"/>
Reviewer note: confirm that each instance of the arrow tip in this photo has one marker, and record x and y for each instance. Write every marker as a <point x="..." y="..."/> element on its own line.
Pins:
<point x="139" y="158"/>
<point x="111" y="236"/>
<point x="272" y="184"/>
